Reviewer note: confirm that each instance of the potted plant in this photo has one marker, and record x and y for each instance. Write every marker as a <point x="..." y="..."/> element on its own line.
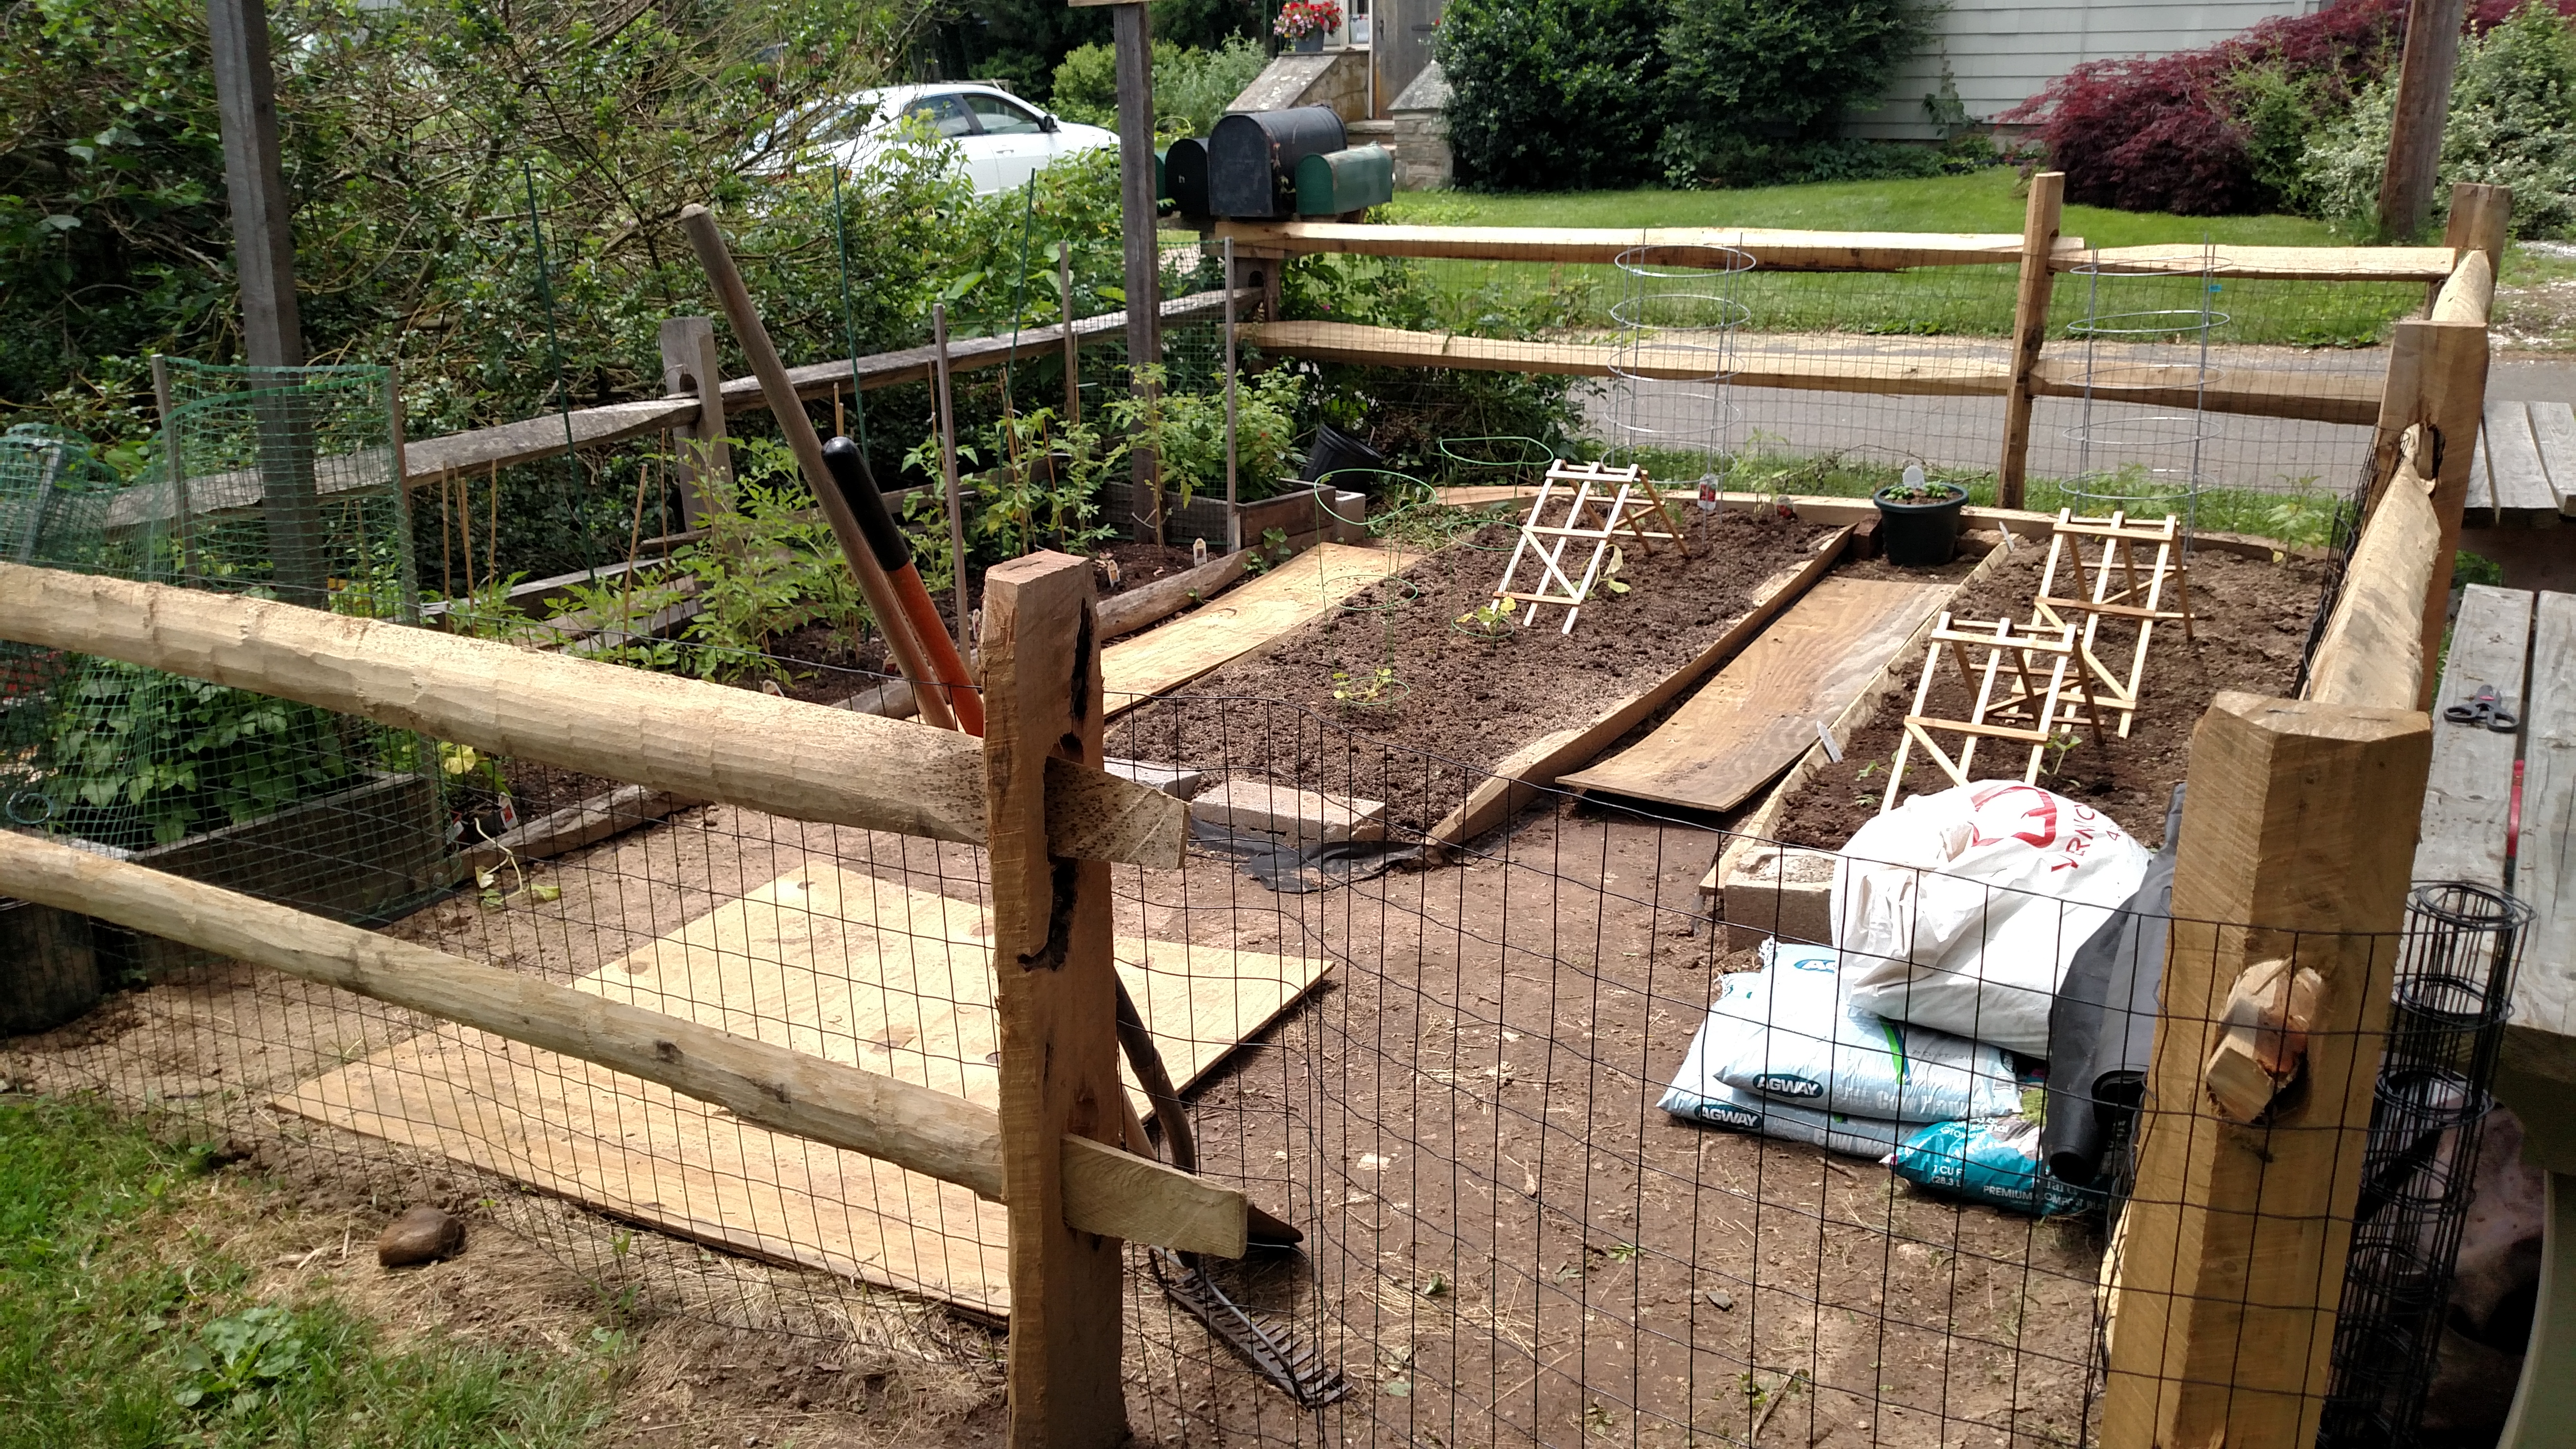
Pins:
<point x="1305" y="23"/>
<point x="1919" y="520"/>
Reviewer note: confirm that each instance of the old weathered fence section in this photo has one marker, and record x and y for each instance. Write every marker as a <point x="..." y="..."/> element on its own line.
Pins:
<point x="1032" y="791"/>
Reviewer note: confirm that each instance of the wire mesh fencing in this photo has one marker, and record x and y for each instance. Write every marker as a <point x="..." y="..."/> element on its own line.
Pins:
<point x="1558" y="1164"/>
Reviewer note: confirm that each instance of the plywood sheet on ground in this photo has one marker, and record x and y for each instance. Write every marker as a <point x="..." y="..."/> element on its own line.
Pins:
<point x="1241" y="620"/>
<point x="1760" y="713"/>
<point x="836" y="964"/>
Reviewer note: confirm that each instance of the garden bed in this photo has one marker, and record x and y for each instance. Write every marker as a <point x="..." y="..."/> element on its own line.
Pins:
<point x="1455" y="706"/>
<point x="2250" y="622"/>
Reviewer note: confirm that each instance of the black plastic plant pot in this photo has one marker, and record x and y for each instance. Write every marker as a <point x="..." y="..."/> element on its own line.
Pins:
<point x="1920" y="535"/>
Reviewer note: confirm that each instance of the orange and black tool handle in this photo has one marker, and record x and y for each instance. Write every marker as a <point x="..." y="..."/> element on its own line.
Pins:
<point x="858" y="485"/>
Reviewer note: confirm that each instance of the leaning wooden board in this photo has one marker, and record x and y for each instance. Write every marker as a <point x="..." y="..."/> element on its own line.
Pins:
<point x="2520" y="479"/>
<point x="839" y="965"/>
<point x="1247" y="617"/>
<point x="1754" y="831"/>
<point x="1763" y="709"/>
<point x="2553" y="432"/>
<point x="1542" y="762"/>
<point x="2540" y="1039"/>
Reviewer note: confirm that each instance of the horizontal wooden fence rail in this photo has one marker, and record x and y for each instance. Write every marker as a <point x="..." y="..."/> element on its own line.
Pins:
<point x="1919" y="371"/>
<point x="695" y="739"/>
<point x="1106" y="1191"/>
<point x="2373" y="651"/>
<point x="1836" y="251"/>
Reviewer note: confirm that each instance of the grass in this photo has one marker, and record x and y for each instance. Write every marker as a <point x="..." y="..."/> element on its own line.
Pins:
<point x="123" y="1324"/>
<point x="1932" y="301"/>
<point x="1988" y="200"/>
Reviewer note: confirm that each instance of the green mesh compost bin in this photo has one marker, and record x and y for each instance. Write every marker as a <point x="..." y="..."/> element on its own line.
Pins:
<point x="274" y="482"/>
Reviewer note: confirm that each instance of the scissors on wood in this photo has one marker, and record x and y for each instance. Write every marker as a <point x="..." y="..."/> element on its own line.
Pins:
<point x="2483" y="708"/>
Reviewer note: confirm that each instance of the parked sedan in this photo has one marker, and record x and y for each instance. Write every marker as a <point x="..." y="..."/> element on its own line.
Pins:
<point x="1001" y="140"/>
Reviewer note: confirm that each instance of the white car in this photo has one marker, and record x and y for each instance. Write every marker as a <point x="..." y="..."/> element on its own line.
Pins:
<point x="1001" y="140"/>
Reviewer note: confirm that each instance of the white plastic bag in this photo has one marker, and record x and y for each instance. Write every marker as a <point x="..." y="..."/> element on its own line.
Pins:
<point x="1961" y="910"/>
<point x="1810" y="1047"/>
<point x="1698" y="1093"/>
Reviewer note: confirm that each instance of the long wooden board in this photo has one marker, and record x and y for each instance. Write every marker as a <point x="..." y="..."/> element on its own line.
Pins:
<point x="1931" y="369"/>
<point x="2288" y="264"/>
<point x="1763" y="709"/>
<point x="2553" y="432"/>
<point x="1246" y="618"/>
<point x="2540" y="1039"/>
<point x="2471" y="787"/>
<point x="2513" y="461"/>
<point x="1541" y="763"/>
<point x="1773" y="250"/>
<point x="827" y="962"/>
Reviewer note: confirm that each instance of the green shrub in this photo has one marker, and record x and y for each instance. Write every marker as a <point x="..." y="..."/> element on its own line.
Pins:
<point x="1553" y="95"/>
<point x="2512" y="123"/>
<point x="1758" y="83"/>
<point x="1192" y="87"/>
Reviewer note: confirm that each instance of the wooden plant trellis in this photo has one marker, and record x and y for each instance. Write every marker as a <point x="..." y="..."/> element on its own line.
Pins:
<point x="2032" y="663"/>
<point x="2121" y="588"/>
<point x="1620" y="499"/>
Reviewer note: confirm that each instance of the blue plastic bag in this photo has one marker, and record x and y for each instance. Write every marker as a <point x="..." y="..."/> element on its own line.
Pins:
<point x="1994" y="1159"/>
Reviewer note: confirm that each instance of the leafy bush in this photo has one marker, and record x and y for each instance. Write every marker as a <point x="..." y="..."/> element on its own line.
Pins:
<point x="1754" y="84"/>
<point x="1554" y="95"/>
<point x="2230" y="127"/>
<point x="1191" y="87"/>
<point x="2512" y="123"/>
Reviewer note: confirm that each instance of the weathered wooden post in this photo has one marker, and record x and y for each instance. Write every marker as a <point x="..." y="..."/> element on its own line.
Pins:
<point x="690" y="369"/>
<point x="2437" y="376"/>
<point x="2423" y="101"/>
<point x="2300" y="820"/>
<point x="2039" y="229"/>
<point x="1057" y="993"/>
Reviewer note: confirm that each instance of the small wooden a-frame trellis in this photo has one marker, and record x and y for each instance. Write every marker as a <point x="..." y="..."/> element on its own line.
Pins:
<point x="1605" y="502"/>
<point x="2032" y="663"/>
<point x="2139" y="595"/>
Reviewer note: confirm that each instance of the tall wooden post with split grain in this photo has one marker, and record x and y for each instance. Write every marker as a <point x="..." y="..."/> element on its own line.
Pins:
<point x="1057" y="993"/>
<point x="2301" y="818"/>
<point x="2039" y="229"/>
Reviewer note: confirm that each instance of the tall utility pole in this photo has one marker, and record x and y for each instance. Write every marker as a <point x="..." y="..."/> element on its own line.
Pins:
<point x="2423" y="99"/>
<point x="264" y="262"/>
<point x="1135" y="62"/>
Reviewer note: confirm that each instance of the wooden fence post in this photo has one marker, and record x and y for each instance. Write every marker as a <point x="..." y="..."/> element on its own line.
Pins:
<point x="2481" y="216"/>
<point x="2302" y="817"/>
<point x="2423" y="102"/>
<point x="2030" y="328"/>
<point x="690" y="367"/>
<point x="2437" y="376"/>
<point x="1056" y="989"/>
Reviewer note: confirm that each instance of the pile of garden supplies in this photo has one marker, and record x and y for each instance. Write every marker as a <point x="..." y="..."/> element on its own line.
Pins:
<point x="1980" y="934"/>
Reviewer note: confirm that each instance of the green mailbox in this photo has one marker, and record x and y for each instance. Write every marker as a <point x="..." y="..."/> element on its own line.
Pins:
<point x="1334" y="182"/>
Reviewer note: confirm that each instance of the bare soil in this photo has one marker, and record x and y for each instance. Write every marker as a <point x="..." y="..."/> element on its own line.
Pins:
<point x="2249" y="625"/>
<point x="1452" y="704"/>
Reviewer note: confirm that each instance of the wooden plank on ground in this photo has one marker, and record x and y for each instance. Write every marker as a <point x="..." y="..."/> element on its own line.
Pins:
<point x="2471" y="789"/>
<point x="2553" y="434"/>
<point x="2513" y="461"/>
<point x="2481" y="495"/>
<point x="1762" y="710"/>
<point x="1246" y="618"/>
<point x="1541" y="763"/>
<point x="832" y="964"/>
<point x="2538" y="1063"/>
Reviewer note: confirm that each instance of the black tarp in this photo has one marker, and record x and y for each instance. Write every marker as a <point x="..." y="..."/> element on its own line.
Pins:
<point x="2102" y="1027"/>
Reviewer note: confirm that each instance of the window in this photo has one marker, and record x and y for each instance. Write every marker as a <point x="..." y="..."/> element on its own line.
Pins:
<point x="999" y="117"/>
<point x="946" y="115"/>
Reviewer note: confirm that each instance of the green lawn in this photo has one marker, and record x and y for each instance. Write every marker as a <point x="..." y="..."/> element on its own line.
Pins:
<point x="1973" y="301"/>
<point x="124" y="1322"/>
<point x="1984" y="201"/>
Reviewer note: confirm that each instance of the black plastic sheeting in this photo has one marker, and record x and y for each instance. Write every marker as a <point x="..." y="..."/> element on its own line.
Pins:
<point x="2102" y="1027"/>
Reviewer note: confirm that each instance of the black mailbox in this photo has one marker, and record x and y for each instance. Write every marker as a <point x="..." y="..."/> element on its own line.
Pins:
<point x="1253" y="156"/>
<point x="1185" y="177"/>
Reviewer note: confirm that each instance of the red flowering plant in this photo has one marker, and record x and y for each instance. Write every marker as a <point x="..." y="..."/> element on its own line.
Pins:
<point x="2218" y="130"/>
<point x="1301" y="18"/>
